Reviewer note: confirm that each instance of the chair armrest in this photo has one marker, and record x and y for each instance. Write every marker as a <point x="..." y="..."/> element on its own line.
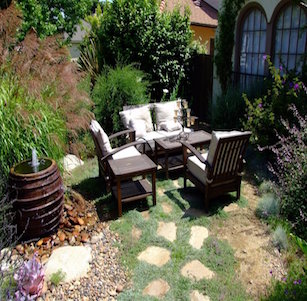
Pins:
<point x="145" y="143"/>
<point x="195" y="152"/>
<point x="124" y="132"/>
<point x="120" y="149"/>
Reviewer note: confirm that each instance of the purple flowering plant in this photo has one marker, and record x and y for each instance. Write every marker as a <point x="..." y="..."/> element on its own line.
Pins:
<point x="263" y="113"/>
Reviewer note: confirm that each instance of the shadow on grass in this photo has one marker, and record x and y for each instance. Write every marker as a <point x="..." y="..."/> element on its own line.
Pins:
<point x="195" y="200"/>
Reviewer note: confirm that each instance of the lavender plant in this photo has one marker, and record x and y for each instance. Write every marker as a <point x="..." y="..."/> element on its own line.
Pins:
<point x="290" y="171"/>
<point x="30" y="280"/>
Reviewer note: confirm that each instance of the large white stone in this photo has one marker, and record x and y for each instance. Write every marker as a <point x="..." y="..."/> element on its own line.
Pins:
<point x="167" y="230"/>
<point x="73" y="261"/>
<point x="70" y="162"/>
<point x="198" y="235"/>
<point x="155" y="255"/>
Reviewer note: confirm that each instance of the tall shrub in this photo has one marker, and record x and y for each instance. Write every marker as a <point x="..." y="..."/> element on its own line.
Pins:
<point x="25" y="124"/>
<point x="134" y="31"/>
<point x="115" y="88"/>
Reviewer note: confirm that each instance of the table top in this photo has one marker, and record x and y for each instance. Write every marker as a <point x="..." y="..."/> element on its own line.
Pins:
<point x="132" y="166"/>
<point x="194" y="138"/>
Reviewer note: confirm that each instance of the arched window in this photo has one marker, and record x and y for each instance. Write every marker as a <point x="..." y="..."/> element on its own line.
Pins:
<point x="253" y="44"/>
<point x="290" y="38"/>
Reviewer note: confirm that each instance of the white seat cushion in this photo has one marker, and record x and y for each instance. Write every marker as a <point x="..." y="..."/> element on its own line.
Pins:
<point x="126" y="153"/>
<point x="142" y="113"/>
<point x="216" y="135"/>
<point x="150" y="136"/>
<point x="102" y="137"/>
<point x="165" y="111"/>
<point x="170" y="126"/>
<point x="197" y="168"/>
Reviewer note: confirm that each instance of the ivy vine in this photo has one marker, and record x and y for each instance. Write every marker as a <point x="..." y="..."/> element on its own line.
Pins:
<point x="225" y="40"/>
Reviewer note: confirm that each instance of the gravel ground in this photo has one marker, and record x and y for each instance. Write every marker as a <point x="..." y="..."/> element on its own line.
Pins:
<point x="105" y="279"/>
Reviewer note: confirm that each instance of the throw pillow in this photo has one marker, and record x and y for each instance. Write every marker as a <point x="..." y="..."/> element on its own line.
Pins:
<point x="139" y="126"/>
<point x="165" y="111"/>
<point x="170" y="126"/>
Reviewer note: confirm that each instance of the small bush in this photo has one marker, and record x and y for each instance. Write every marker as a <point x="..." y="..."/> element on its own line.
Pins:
<point x="57" y="277"/>
<point x="115" y="88"/>
<point x="227" y="111"/>
<point x="265" y="187"/>
<point x="280" y="239"/>
<point x="268" y="206"/>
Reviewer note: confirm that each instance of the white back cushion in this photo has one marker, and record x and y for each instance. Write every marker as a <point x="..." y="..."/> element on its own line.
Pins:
<point x="216" y="135"/>
<point x="139" y="126"/>
<point x="142" y="113"/>
<point x="165" y="111"/>
<point x="102" y="137"/>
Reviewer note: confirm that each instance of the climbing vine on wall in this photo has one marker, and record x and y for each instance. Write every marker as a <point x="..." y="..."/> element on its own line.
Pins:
<point x="225" y="40"/>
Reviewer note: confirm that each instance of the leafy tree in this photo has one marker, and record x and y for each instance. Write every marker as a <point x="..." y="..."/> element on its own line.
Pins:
<point x="49" y="17"/>
<point x="134" y="31"/>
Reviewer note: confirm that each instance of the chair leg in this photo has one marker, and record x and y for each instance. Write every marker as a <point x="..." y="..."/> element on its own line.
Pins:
<point x="185" y="181"/>
<point x="206" y="198"/>
<point x="239" y="190"/>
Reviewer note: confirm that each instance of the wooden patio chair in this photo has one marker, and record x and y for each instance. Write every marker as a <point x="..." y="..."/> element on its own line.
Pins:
<point x="220" y="169"/>
<point x="105" y="152"/>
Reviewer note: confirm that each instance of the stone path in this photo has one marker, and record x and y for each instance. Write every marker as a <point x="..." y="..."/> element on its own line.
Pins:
<point x="158" y="256"/>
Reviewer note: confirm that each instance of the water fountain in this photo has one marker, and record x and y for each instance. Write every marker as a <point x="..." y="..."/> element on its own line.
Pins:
<point x="37" y="189"/>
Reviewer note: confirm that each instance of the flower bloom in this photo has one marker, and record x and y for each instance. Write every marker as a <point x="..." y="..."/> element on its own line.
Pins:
<point x="165" y="91"/>
<point x="265" y="57"/>
<point x="260" y="105"/>
<point x="296" y="87"/>
<point x="280" y="67"/>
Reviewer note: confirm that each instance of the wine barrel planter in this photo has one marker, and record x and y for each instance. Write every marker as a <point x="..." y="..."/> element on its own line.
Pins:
<point x="38" y="198"/>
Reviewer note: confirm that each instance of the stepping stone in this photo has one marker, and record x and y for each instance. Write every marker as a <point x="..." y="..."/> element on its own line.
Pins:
<point x="70" y="162"/>
<point x="197" y="296"/>
<point x="195" y="270"/>
<point x="160" y="191"/>
<point x="198" y="235"/>
<point x="176" y="184"/>
<point x="155" y="255"/>
<point x="167" y="230"/>
<point x="73" y="261"/>
<point x="232" y="207"/>
<point x="167" y="208"/>
<point x="136" y="233"/>
<point x="157" y="288"/>
<point x="145" y="215"/>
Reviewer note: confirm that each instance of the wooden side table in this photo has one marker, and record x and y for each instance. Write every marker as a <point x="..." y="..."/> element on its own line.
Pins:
<point x="168" y="147"/>
<point x="126" y="169"/>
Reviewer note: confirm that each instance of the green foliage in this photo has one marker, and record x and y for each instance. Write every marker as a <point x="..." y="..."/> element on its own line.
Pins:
<point x="114" y="89"/>
<point x="57" y="277"/>
<point x="225" y="40"/>
<point x="227" y="111"/>
<point x="301" y="243"/>
<point x="280" y="239"/>
<point x="25" y="124"/>
<point x="263" y="113"/>
<point x="52" y="17"/>
<point x="134" y="31"/>
<point x="268" y="206"/>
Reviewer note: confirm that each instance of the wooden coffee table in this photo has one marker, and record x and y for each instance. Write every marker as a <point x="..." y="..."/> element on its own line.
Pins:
<point x="172" y="149"/>
<point x="132" y="190"/>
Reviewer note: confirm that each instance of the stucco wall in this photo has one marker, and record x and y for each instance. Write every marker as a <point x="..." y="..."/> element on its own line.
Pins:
<point x="205" y="33"/>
